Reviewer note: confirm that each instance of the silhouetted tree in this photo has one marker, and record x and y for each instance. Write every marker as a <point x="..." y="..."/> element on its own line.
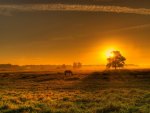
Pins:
<point x="77" y="65"/>
<point x="116" y="60"/>
<point x="74" y="65"/>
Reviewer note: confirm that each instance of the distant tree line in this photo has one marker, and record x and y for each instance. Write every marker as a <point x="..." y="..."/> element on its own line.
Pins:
<point x="77" y="65"/>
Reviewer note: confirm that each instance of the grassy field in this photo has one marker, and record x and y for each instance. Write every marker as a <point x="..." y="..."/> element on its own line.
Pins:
<point x="122" y="91"/>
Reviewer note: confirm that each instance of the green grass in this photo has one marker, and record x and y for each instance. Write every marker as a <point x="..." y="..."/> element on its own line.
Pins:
<point x="101" y="92"/>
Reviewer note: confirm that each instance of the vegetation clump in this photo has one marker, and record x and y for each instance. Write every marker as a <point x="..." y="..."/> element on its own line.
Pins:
<point x="116" y="60"/>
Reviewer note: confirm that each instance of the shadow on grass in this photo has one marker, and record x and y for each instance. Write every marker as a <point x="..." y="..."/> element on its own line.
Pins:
<point x="115" y="79"/>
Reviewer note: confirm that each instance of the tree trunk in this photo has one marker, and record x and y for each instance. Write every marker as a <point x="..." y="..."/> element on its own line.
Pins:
<point x="115" y="66"/>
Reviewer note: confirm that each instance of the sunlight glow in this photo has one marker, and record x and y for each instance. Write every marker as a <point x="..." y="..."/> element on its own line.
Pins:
<point x="109" y="53"/>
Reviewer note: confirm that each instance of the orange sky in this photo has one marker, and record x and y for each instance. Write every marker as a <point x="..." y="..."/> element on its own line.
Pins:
<point x="58" y="36"/>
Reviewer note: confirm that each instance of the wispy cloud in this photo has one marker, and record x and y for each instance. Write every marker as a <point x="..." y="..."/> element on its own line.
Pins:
<point x="9" y="9"/>
<point x="129" y="28"/>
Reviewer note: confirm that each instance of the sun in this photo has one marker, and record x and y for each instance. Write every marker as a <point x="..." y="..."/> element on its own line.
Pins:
<point x="109" y="53"/>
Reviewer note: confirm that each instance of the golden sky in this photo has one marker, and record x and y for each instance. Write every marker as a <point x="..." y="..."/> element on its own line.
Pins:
<point x="60" y="32"/>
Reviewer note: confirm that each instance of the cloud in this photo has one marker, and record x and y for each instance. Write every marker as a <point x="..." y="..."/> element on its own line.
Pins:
<point x="8" y="9"/>
<point x="130" y="28"/>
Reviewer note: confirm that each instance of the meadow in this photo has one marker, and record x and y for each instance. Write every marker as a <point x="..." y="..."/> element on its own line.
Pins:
<point x="121" y="91"/>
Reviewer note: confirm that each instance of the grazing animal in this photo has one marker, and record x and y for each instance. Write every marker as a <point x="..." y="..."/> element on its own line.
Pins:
<point x="68" y="72"/>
